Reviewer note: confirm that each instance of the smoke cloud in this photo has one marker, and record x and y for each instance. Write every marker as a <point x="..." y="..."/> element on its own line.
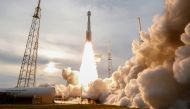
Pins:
<point x="70" y="76"/>
<point x="182" y="59"/>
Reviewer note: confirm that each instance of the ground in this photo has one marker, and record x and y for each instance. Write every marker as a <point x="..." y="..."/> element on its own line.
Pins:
<point x="62" y="107"/>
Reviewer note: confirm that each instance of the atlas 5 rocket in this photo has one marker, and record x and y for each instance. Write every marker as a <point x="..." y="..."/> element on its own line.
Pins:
<point x="88" y="31"/>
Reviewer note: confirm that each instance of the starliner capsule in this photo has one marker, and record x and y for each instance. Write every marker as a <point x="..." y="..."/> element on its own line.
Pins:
<point x="88" y="31"/>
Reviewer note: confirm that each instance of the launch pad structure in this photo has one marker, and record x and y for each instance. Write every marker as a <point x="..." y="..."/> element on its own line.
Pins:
<point x="27" y="75"/>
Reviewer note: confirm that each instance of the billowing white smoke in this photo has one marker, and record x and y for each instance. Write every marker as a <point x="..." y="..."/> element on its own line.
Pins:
<point x="96" y="89"/>
<point x="158" y="74"/>
<point x="182" y="59"/>
<point x="70" y="76"/>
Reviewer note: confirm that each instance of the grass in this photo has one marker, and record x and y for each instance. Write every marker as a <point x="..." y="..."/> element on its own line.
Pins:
<point x="77" y="106"/>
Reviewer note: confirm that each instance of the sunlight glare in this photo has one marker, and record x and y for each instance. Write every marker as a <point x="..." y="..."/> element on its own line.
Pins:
<point x="50" y="68"/>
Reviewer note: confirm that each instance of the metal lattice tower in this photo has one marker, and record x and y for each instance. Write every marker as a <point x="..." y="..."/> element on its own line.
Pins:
<point x="109" y="61"/>
<point x="27" y="76"/>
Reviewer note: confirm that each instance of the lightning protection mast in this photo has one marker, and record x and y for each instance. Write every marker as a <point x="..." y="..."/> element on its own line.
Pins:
<point x="140" y="28"/>
<point x="109" y="61"/>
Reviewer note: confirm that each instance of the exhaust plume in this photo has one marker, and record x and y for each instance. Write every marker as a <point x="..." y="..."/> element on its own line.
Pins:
<point x="88" y="71"/>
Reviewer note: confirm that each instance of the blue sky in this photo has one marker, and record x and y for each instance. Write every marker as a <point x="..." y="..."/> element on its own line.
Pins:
<point x="62" y="33"/>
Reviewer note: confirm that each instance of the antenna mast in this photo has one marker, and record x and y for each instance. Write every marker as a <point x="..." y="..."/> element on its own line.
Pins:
<point x="27" y="76"/>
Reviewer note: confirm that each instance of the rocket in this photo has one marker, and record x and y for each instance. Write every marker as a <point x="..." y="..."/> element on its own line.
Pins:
<point x="88" y="31"/>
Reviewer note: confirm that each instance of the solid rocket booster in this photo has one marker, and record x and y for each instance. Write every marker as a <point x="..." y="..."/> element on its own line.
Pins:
<point x="88" y="31"/>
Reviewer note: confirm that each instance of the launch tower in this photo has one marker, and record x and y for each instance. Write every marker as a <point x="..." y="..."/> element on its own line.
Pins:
<point x="27" y="75"/>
